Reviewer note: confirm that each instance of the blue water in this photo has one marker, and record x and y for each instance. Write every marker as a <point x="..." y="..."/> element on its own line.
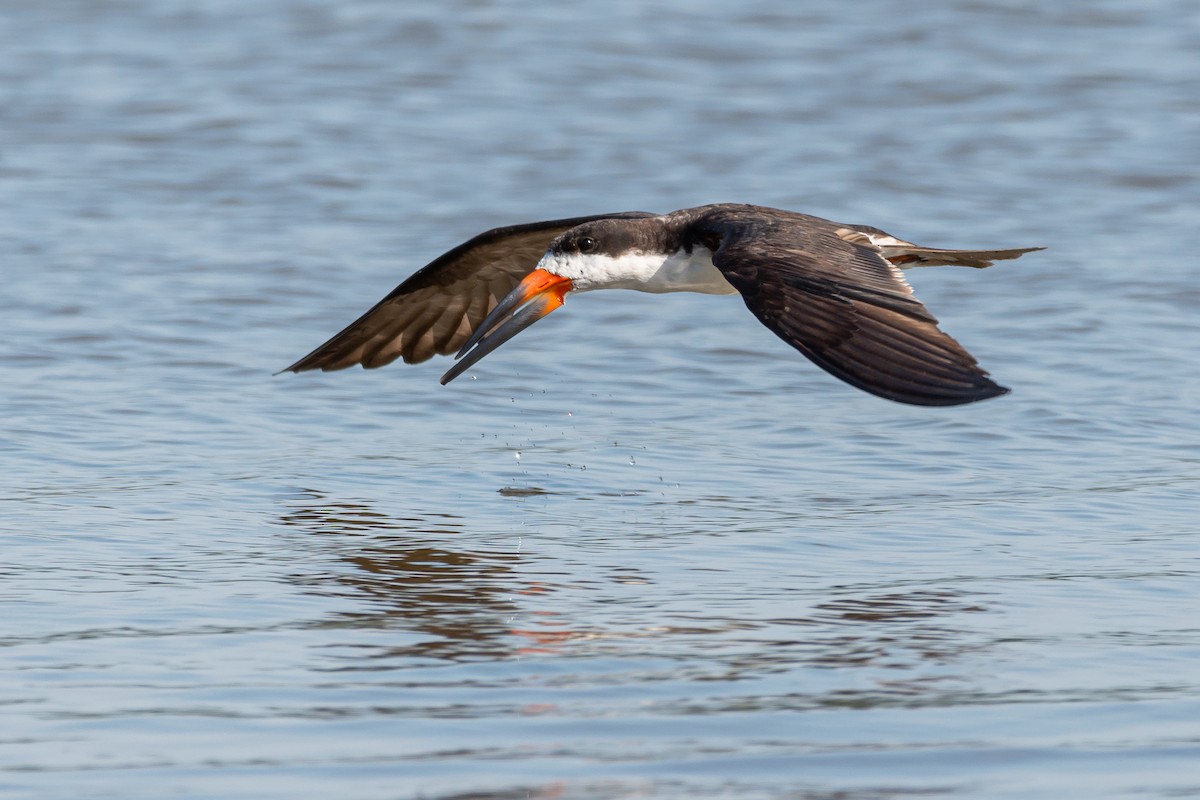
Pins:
<point x="645" y="549"/>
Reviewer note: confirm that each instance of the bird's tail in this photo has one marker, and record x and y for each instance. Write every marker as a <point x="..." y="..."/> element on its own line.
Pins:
<point x="906" y="254"/>
<point x="911" y="255"/>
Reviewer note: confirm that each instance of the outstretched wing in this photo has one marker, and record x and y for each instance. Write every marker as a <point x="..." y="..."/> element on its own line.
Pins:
<point x="438" y="307"/>
<point x="847" y="308"/>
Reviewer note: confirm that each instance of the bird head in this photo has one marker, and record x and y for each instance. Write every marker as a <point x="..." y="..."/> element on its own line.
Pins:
<point x="594" y="255"/>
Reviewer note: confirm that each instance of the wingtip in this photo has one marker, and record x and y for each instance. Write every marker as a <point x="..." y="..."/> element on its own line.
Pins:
<point x="992" y="390"/>
<point x="936" y="394"/>
<point x="985" y="390"/>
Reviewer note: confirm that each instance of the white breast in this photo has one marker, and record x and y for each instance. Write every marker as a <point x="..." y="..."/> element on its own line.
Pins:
<point x="644" y="272"/>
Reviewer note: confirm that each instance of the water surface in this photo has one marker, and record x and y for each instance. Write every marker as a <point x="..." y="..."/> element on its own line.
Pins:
<point x="645" y="549"/>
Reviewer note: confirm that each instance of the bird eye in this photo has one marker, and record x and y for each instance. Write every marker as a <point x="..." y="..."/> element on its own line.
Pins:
<point x="586" y="244"/>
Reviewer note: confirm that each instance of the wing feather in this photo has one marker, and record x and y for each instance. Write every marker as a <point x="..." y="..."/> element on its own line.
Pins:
<point x="844" y="306"/>
<point x="437" y="308"/>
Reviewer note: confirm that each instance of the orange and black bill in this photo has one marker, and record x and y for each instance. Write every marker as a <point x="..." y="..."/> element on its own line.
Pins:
<point x="533" y="298"/>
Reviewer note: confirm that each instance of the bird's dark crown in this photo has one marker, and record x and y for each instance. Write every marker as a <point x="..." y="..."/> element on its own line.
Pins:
<point x="613" y="237"/>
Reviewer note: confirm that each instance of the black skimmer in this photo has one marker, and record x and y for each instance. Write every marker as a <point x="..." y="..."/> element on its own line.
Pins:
<point x="834" y="292"/>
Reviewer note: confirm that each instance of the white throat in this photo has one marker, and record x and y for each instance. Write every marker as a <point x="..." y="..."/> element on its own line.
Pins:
<point x="644" y="272"/>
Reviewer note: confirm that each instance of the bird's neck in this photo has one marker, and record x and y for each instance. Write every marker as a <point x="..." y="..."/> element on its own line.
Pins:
<point x="657" y="273"/>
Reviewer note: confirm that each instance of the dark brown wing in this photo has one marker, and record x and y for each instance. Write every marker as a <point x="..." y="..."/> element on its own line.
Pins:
<point x="845" y="307"/>
<point x="437" y="308"/>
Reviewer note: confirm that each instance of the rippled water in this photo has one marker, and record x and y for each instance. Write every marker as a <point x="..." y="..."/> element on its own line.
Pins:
<point x="648" y="550"/>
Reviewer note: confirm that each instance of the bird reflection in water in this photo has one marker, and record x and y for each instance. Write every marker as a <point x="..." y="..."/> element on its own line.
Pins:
<point x="406" y="574"/>
<point x="896" y="629"/>
<point x="460" y="603"/>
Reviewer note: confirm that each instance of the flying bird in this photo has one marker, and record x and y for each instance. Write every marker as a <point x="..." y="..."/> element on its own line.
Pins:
<point x="835" y="292"/>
